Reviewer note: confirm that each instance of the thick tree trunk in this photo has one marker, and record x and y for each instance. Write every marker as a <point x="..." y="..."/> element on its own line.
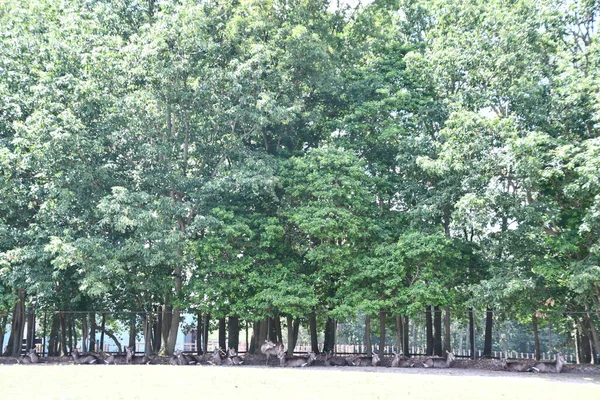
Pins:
<point x="487" y="345"/>
<point x="472" y="332"/>
<point x="368" y="346"/>
<point x="405" y="337"/>
<point x="314" y="342"/>
<point x="399" y="334"/>
<point x="585" y="349"/>
<point x="438" y="334"/>
<point x="30" y="330"/>
<point x="594" y="334"/>
<point x="54" y="331"/>
<point x="329" y="340"/>
<point x="132" y="332"/>
<point x="233" y="333"/>
<point x="72" y="335"/>
<point x="253" y="349"/>
<point x="276" y="324"/>
<point x="157" y="336"/>
<point x="18" y="325"/>
<point x="429" y="327"/>
<point x="222" y="334"/>
<point x="147" y="332"/>
<point x="381" y="350"/>
<point x="536" y="335"/>
<point x="63" y="335"/>
<point x="447" y="332"/>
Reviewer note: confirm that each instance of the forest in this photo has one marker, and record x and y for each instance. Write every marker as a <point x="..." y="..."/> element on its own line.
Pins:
<point x="300" y="163"/>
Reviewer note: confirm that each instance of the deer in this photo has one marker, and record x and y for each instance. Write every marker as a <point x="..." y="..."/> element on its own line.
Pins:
<point x="332" y="361"/>
<point x="30" y="358"/>
<point x="185" y="359"/>
<point x="550" y="366"/>
<point x="514" y="366"/>
<point x="270" y="348"/>
<point x="131" y="358"/>
<point x="234" y="357"/>
<point x="365" y="361"/>
<point x="440" y="362"/>
<point x="304" y="361"/>
<point x="115" y="358"/>
<point x="79" y="358"/>
<point x="217" y="357"/>
<point x="401" y="361"/>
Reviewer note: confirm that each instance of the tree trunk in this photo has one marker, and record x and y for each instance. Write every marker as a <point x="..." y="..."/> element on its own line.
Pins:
<point x="84" y="333"/>
<point x="102" y="331"/>
<point x="157" y="336"/>
<point x="18" y="325"/>
<point x="472" y="332"/>
<point x="329" y="342"/>
<point x="222" y="334"/>
<point x="72" y="336"/>
<point x="233" y="333"/>
<point x="53" y="342"/>
<point x="290" y="334"/>
<point x="381" y="350"/>
<point x="429" y="328"/>
<point x="399" y="333"/>
<point x="405" y="337"/>
<point x="594" y="334"/>
<point x="447" y="332"/>
<point x="206" y="326"/>
<point x="30" y="330"/>
<point x="93" y="346"/>
<point x="438" y="334"/>
<point x="132" y="333"/>
<point x="112" y="336"/>
<point x="253" y="349"/>
<point x="585" y="351"/>
<point x="147" y="330"/>
<point x="489" y="321"/>
<point x="536" y="335"/>
<point x="277" y="329"/>
<point x="312" y="322"/>
<point x="368" y="347"/>
<point x="63" y="335"/>
<point x="199" y="331"/>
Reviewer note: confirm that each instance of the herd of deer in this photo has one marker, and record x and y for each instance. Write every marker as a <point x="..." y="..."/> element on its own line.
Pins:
<point x="269" y="348"/>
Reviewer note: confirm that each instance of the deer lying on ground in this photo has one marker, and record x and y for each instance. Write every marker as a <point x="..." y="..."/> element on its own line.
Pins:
<point x="304" y="361"/>
<point x="79" y="358"/>
<point x="332" y="361"/>
<point x="217" y="357"/>
<point x="401" y="361"/>
<point x="233" y="357"/>
<point x="514" y="366"/>
<point x="440" y="362"/>
<point x="550" y="366"/>
<point x="271" y="349"/>
<point x="30" y="358"/>
<point x="114" y="358"/>
<point x="364" y="361"/>
<point x="184" y="359"/>
<point x="131" y="358"/>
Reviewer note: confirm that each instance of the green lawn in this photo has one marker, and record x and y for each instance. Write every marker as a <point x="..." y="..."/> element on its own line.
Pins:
<point x="174" y="383"/>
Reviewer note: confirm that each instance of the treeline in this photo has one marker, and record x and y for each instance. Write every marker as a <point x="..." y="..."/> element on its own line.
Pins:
<point x="291" y="160"/>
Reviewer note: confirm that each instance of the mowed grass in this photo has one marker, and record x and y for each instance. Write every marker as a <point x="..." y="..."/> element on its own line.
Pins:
<point x="67" y="382"/>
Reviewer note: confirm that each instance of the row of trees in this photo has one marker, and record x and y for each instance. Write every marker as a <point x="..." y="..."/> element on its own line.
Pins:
<point x="267" y="159"/>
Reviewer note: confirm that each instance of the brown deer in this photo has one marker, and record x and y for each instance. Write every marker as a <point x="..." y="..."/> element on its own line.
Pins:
<point x="550" y="366"/>
<point x="217" y="357"/>
<point x="514" y="366"/>
<point x="365" y="361"/>
<point x="79" y="358"/>
<point x="234" y="357"/>
<point x="185" y="359"/>
<point x="131" y="358"/>
<point x="332" y="361"/>
<point x="440" y="362"/>
<point x="296" y="361"/>
<point x="271" y="349"/>
<point x="30" y="358"/>
<point x="401" y="361"/>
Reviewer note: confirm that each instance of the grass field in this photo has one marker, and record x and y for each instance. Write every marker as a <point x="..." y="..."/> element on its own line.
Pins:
<point x="66" y="382"/>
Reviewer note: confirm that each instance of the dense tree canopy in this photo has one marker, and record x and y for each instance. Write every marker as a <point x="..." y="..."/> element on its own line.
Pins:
<point x="264" y="158"/>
